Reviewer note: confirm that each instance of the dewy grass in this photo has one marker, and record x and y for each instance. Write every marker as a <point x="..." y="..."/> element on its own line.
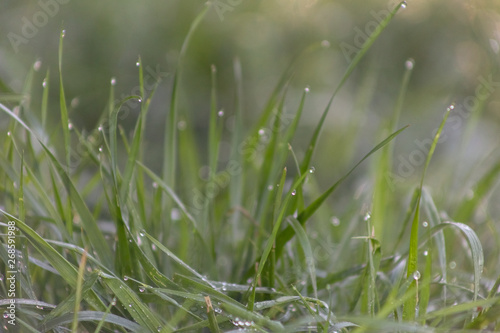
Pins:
<point x="247" y="257"/>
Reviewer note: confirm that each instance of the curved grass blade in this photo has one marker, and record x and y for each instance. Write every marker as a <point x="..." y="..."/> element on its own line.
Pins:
<point x="97" y="239"/>
<point x="92" y="316"/>
<point x="67" y="271"/>
<point x="132" y="303"/>
<point x="288" y="233"/>
<point x="368" y="43"/>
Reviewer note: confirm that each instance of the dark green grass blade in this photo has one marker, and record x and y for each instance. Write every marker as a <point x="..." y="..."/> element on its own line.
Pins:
<point x="366" y="46"/>
<point x="288" y="233"/>
<point x="412" y="268"/>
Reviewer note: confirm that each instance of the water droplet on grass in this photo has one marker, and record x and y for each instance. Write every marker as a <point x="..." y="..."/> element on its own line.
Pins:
<point x="294" y="192"/>
<point x="137" y="64"/>
<point x="113" y="81"/>
<point x="113" y="302"/>
<point x="416" y="275"/>
<point x="426" y="253"/>
<point x="125" y="278"/>
<point x="44" y="83"/>
<point x="453" y="265"/>
<point x="325" y="43"/>
<point x="63" y="33"/>
<point x="312" y="169"/>
<point x="425" y="224"/>
<point x="142" y="289"/>
<point x="5" y="314"/>
<point x="181" y="125"/>
<point x="404" y="4"/>
<point x="367" y="216"/>
<point x="37" y="65"/>
<point x="220" y="113"/>
<point x="335" y="221"/>
<point x="142" y="233"/>
<point x="307" y="89"/>
<point x="409" y="64"/>
<point x="270" y="188"/>
<point x="70" y="126"/>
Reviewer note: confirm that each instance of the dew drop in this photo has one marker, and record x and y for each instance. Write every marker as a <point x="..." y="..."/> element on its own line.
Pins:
<point x="367" y="216"/>
<point x="335" y="221"/>
<point x="139" y="100"/>
<point x="451" y="107"/>
<point x="100" y="149"/>
<point x="453" y="265"/>
<point x="175" y="214"/>
<point x="142" y="233"/>
<point x="130" y="305"/>
<point x="312" y="169"/>
<point x="63" y="33"/>
<point x="404" y="4"/>
<point x="142" y="289"/>
<point x="416" y="275"/>
<point x="37" y="65"/>
<point x="9" y="133"/>
<point x="138" y="64"/>
<point x="307" y="89"/>
<point x="426" y="253"/>
<point x="270" y="188"/>
<point x="39" y="307"/>
<point x="153" y="247"/>
<point x="181" y="125"/>
<point x="425" y="224"/>
<point x="294" y="192"/>
<point x="325" y="43"/>
<point x="113" y="81"/>
<point x="5" y="314"/>
<point x="262" y="132"/>
<point x="125" y="278"/>
<point x="113" y="302"/>
<point x="70" y="126"/>
<point x="44" y="83"/>
<point x="100" y="128"/>
<point x="220" y="113"/>
<point x="155" y="185"/>
<point x="409" y="64"/>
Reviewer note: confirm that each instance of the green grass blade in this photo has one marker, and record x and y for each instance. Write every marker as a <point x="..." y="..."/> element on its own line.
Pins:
<point x="366" y="46"/>
<point x="132" y="303"/>
<point x="412" y="268"/>
<point x="170" y="144"/>
<point x="63" y="105"/>
<point x="307" y="249"/>
<point x="288" y="233"/>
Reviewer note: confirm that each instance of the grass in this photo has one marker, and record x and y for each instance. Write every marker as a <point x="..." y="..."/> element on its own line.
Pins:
<point x="105" y="244"/>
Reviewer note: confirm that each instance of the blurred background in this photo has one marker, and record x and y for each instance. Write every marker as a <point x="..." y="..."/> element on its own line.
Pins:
<point x="454" y="44"/>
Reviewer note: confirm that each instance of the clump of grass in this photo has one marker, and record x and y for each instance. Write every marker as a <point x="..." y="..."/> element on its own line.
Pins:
<point x="126" y="249"/>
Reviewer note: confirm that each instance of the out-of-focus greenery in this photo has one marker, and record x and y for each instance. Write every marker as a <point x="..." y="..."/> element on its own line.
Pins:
<point x="433" y="57"/>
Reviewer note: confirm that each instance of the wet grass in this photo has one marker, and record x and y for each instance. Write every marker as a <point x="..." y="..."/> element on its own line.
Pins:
<point x="103" y="243"/>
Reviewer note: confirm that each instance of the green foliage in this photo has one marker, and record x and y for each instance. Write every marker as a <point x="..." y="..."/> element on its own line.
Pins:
<point x="106" y="244"/>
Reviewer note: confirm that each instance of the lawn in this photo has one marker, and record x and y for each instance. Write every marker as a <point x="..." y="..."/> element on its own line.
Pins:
<point x="343" y="188"/>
